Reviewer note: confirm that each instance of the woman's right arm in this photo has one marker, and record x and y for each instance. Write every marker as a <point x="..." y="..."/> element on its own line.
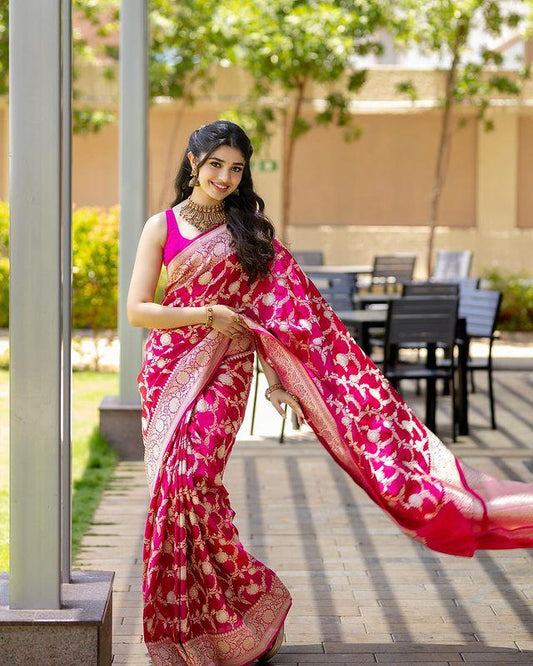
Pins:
<point x="141" y="309"/>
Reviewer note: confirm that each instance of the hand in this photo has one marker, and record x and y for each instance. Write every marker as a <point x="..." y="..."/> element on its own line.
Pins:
<point x="225" y="320"/>
<point x="280" y="396"/>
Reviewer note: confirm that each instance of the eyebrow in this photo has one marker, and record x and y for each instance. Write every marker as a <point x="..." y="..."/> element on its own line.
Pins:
<point x="214" y="157"/>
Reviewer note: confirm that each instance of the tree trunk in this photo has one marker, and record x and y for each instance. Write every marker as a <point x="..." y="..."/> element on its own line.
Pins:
<point x="461" y="37"/>
<point x="442" y="155"/>
<point x="289" y="141"/>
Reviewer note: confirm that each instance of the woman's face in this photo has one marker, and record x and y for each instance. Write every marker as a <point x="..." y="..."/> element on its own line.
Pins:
<point x="220" y="175"/>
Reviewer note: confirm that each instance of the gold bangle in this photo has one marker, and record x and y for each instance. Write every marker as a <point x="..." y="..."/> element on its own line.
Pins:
<point x="296" y="400"/>
<point x="272" y="388"/>
<point x="209" y="315"/>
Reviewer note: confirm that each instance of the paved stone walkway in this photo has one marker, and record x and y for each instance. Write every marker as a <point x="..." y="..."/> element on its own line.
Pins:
<point x="363" y="592"/>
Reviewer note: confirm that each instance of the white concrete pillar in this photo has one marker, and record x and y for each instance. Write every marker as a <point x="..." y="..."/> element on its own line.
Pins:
<point x="66" y="284"/>
<point x="133" y="178"/>
<point x="35" y="302"/>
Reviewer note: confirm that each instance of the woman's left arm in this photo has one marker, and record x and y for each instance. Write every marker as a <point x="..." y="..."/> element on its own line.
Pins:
<point x="280" y="395"/>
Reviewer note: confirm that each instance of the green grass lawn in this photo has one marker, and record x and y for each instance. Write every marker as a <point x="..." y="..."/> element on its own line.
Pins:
<point x="92" y="460"/>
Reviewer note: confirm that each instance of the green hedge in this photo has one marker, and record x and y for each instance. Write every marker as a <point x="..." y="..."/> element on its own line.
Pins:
<point x="516" y="313"/>
<point x="4" y="265"/>
<point x="94" y="269"/>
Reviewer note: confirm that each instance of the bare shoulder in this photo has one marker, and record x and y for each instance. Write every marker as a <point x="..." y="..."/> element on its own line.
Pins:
<point x="156" y="228"/>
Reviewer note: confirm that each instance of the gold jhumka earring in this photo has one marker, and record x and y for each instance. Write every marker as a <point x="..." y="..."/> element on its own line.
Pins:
<point x="194" y="182"/>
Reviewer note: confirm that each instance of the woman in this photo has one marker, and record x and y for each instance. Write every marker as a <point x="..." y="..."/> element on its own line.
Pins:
<point x="234" y="289"/>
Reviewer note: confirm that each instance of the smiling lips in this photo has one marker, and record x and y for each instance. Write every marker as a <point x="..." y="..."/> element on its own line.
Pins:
<point x="220" y="188"/>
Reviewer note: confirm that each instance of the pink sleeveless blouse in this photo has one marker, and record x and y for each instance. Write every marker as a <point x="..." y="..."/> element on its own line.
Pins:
<point x="175" y="242"/>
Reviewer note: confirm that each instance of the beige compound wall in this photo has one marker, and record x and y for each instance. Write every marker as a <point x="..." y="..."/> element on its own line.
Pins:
<point x="386" y="176"/>
<point x="486" y="203"/>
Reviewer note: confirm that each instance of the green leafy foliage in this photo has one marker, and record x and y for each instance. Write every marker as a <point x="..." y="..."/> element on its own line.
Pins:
<point x="286" y="45"/>
<point x="516" y="313"/>
<point x="445" y="26"/>
<point x="95" y="268"/>
<point x="4" y="292"/>
<point x="184" y="44"/>
<point x="407" y="88"/>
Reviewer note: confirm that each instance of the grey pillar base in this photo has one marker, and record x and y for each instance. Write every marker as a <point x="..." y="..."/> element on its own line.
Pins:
<point x="79" y="634"/>
<point x="121" y="426"/>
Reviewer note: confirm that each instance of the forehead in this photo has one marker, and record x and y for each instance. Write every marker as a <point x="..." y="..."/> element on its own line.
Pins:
<point x="228" y="154"/>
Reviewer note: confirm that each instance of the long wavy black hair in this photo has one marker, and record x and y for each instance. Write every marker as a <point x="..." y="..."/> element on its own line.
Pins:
<point x="252" y="231"/>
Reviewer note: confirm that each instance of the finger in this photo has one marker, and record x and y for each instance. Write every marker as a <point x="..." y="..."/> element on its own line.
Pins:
<point x="279" y="408"/>
<point x="295" y="406"/>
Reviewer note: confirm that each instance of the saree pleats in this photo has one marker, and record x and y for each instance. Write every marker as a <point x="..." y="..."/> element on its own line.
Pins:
<point x="207" y="601"/>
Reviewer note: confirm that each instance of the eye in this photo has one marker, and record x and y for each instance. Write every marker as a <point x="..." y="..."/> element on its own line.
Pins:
<point x="238" y="169"/>
<point x="214" y="163"/>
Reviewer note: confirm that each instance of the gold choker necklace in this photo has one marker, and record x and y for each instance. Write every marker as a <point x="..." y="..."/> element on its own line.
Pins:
<point x="203" y="217"/>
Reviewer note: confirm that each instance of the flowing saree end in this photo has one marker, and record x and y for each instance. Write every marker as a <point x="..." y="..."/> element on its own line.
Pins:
<point x="374" y="435"/>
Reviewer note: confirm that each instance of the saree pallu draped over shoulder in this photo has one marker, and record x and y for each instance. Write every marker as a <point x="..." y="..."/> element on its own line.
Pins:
<point x="207" y="601"/>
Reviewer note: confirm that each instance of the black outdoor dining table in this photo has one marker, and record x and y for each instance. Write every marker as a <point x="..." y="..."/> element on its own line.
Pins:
<point x="363" y="300"/>
<point x="352" y="270"/>
<point x="356" y="269"/>
<point x="364" y="320"/>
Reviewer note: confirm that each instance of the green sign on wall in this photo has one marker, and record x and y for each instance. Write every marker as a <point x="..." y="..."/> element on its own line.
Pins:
<point x="267" y="165"/>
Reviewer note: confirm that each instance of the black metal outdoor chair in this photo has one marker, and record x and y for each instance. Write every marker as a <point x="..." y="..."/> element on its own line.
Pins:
<point x="337" y="288"/>
<point x="451" y="265"/>
<point x="468" y="283"/>
<point x="390" y="271"/>
<point x="309" y="257"/>
<point x="416" y="321"/>
<point x="481" y="308"/>
<point x="258" y="371"/>
<point x="430" y="289"/>
<point x="377" y="338"/>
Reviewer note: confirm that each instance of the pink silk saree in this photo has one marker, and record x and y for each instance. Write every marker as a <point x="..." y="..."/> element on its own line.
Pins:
<point x="207" y="601"/>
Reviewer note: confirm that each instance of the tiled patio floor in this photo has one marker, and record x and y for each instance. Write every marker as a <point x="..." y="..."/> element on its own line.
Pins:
<point x="363" y="592"/>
